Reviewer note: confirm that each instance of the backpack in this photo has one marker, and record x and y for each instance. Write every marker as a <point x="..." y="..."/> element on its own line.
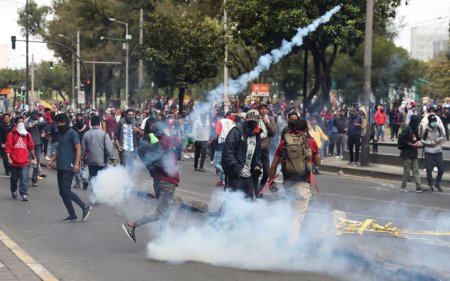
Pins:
<point x="151" y="153"/>
<point x="296" y="155"/>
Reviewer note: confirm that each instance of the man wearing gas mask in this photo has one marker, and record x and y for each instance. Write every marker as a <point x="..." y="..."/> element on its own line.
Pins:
<point x="354" y="136"/>
<point x="432" y="139"/>
<point x="241" y="157"/>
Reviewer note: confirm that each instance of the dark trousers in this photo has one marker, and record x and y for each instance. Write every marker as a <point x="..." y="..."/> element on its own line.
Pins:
<point x="265" y="161"/>
<point x="354" y="141"/>
<point x="212" y="149"/>
<point x="5" y="160"/>
<point x="65" y="179"/>
<point x="19" y="173"/>
<point x="394" y="130"/>
<point x="245" y="185"/>
<point x="434" y="160"/>
<point x="200" y="152"/>
<point x="37" y="151"/>
<point x="44" y="146"/>
<point x="93" y="170"/>
<point x="332" y="140"/>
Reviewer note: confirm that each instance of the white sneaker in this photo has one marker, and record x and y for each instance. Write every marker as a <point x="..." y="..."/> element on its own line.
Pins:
<point x="47" y="158"/>
<point x="435" y="169"/>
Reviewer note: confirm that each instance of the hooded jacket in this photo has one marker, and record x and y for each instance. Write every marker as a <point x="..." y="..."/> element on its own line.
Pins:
<point x="235" y="150"/>
<point x="159" y="158"/>
<point x="409" y="135"/>
<point x="17" y="146"/>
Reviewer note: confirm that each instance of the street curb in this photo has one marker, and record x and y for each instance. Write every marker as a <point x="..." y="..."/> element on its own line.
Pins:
<point x="375" y="174"/>
<point x="36" y="267"/>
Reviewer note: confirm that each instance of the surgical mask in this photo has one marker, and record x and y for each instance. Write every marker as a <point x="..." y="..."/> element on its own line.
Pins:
<point x="433" y="125"/>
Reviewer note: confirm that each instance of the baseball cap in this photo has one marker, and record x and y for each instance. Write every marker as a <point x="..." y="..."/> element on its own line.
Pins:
<point x="252" y="115"/>
<point x="262" y="104"/>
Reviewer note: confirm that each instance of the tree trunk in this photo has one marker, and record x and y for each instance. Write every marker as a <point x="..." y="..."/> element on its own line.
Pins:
<point x="322" y="73"/>
<point x="61" y="94"/>
<point x="181" y="100"/>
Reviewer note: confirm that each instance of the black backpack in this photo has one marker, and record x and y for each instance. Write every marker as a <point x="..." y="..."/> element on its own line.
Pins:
<point x="151" y="154"/>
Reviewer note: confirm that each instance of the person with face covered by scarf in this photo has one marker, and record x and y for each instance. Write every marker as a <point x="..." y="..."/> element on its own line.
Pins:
<point x="67" y="157"/>
<point x="81" y="128"/>
<point x="432" y="139"/>
<point x="19" y="143"/>
<point x="354" y="136"/>
<point x="241" y="157"/>
<point x="409" y="143"/>
<point x="127" y="138"/>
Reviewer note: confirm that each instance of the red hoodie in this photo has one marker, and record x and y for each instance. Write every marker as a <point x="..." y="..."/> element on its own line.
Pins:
<point x="17" y="146"/>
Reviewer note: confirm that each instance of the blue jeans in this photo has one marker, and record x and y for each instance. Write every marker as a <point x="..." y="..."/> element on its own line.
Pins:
<point x="65" y="179"/>
<point x="82" y="175"/>
<point x="53" y="147"/>
<point x="218" y="163"/>
<point x="380" y="131"/>
<point x="19" y="173"/>
<point x="127" y="158"/>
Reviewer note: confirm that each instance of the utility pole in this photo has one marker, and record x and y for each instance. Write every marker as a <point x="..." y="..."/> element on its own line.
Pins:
<point x="78" y="65"/>
<point x="225" y="62"/>
<point x="74" y="102"/>
<point x="94" y="79"/>
<point x="126" y="65"/>
<point x="32" y="75"/>
<point x="305" y="78"/>
<point x="27" y="70"/>
<point x="141" y="63"/>
<point x="367" y="81"/>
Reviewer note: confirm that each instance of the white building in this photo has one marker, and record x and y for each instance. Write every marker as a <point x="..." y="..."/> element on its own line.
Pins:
<point x="3" y="56"/>
<point x="427" y="41"/>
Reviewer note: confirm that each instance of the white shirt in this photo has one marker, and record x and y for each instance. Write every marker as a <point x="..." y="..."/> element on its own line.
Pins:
<point x="251" y="146"/>
<point x="128" y="144"/>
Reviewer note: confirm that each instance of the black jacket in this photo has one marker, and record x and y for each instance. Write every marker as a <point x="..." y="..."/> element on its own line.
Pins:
<point x="339" y="123"/>
<point x="235" y="150"/>
<point x="409" y="135"/>
<point x="4" y="130"/>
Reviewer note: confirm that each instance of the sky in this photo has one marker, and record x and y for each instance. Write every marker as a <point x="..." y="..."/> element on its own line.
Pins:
<point x="421" y="13"/>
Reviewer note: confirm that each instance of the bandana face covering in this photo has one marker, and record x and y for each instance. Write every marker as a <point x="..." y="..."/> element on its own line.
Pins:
<point x="21" y="129"/>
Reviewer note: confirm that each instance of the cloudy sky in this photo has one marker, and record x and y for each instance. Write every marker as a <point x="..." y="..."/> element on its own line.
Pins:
<point x="420" y="13"/>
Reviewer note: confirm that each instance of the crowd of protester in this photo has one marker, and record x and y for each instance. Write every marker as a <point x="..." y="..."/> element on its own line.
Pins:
<point x="114" y="135"/>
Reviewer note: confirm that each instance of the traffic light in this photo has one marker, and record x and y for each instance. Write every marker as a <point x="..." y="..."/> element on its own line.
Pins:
<point x="87" y="86"/>
<point x="13" y="41"/>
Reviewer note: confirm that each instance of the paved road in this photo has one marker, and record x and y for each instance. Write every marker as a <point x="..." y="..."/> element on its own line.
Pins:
<point x="99" y="250"/>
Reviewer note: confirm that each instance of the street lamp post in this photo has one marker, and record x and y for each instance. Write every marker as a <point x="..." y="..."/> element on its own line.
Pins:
<point x="73" y="73"/>
<point x="127" y="37"/>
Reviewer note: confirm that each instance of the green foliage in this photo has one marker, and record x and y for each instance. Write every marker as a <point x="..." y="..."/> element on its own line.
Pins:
<point x="265" y="23"/>
<point x="56" y="79"/>
<point x="438" y="74"/>
<point x="390" y="65"/>
<point x="36" y="18"/>
<point x="11" y="78"/>
<point x="181" y="50"/>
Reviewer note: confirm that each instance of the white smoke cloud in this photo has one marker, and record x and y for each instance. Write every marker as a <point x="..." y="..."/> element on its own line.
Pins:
<point x="238" y="85"/>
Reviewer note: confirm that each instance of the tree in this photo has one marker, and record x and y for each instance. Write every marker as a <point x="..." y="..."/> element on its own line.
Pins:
<point x="53" y="79"/>
<point x="11" y="78"/>
<point x="36" y="18"/>
<point x="180" y="51"/>
<point x="390" y="65"/>
<point x="264" y="23"/>
<point x="437" y="73"/>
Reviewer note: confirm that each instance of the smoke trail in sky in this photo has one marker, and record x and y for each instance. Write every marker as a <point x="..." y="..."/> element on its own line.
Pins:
<point x="238" y="85"/>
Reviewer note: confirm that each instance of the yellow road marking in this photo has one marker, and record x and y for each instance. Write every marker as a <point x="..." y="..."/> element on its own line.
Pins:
<point x="36" y="267"/>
